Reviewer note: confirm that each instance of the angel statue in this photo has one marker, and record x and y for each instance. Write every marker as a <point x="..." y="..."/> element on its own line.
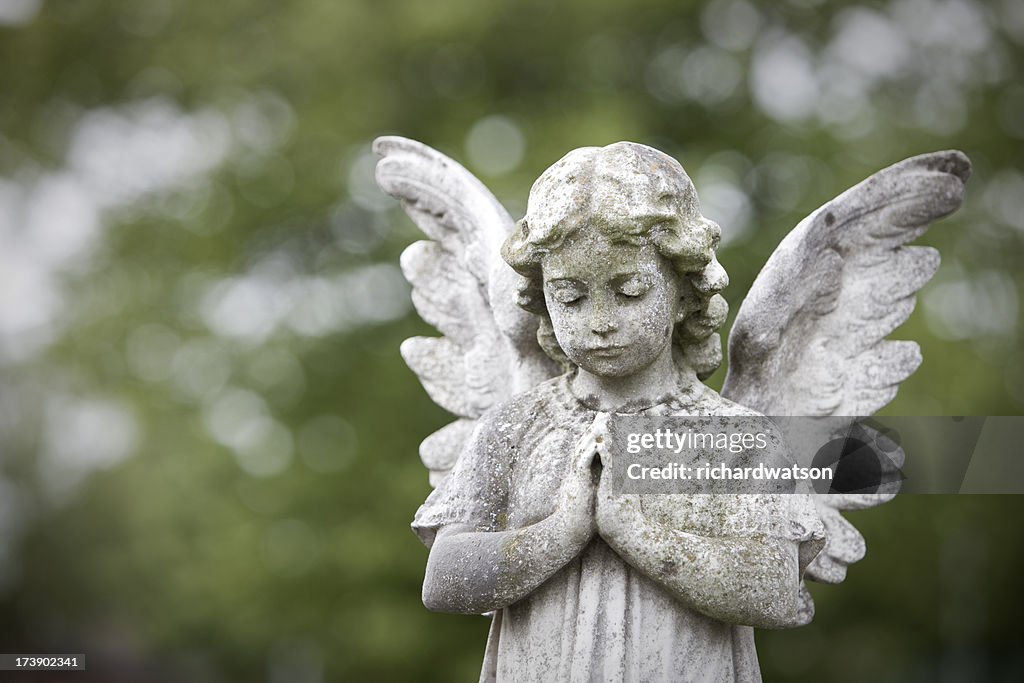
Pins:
<point x="605" y="299"/>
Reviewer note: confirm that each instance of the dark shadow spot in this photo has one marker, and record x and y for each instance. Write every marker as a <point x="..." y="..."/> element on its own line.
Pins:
<point x="855" y="464"/>
<point x="887" y="440"/>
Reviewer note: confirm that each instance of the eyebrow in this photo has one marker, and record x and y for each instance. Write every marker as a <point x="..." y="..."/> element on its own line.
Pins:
<point x="616" y="279"/>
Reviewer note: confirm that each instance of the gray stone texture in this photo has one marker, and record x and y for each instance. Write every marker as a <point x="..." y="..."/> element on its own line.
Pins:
<point x="606" y="298"/>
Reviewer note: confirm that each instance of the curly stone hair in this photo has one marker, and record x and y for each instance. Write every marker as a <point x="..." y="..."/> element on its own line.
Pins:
<point x="631" y="194"/>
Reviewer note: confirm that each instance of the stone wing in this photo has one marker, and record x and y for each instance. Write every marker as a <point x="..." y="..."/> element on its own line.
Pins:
<point x="462" y="287"/>
<point x="810" y="337"/>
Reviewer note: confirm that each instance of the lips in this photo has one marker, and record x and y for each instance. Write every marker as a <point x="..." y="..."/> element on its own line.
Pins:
<point x="605" y="351"/>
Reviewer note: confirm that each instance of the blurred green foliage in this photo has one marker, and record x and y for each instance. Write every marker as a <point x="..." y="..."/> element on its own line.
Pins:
<point x="208" y="438"/>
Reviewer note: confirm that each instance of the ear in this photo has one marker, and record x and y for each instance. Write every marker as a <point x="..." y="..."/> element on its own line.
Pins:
<point x="681" y="311"/>
<point x="684" y="300"/>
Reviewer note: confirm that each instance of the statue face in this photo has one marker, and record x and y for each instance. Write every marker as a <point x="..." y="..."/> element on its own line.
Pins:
<point x="612" y="306"/>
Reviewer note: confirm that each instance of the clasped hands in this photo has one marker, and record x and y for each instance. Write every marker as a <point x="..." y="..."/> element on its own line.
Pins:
<point x="586" y="502"/>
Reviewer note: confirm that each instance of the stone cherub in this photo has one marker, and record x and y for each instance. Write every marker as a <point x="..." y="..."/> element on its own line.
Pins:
<point x="606" y="299"/>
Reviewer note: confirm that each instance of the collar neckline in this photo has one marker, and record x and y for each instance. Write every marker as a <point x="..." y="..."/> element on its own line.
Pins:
<point x="631" y="407"/>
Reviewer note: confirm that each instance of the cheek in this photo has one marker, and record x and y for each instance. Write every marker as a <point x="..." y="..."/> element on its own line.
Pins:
<point x="657" y="320"/>
<point x="566" y="322"/>
<point x="660" y="308"/>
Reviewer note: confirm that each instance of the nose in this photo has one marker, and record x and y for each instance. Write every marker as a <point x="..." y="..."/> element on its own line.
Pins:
<point x="601" y="320"/>
<point x="603" y="326"/>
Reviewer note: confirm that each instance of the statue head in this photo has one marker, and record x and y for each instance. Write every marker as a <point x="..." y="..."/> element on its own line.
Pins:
<point x="615" y="253"/>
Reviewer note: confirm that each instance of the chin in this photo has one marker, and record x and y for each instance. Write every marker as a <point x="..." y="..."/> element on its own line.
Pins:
<point x="608" y="369"/>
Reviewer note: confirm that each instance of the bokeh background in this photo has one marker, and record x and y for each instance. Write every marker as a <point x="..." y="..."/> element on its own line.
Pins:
<point x="208" y="441"/>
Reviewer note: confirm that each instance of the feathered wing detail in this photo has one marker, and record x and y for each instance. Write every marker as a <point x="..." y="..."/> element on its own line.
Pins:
<point x="810" y="338"/>
<point x="463" y="288"/>
<point x="818" y="313"/>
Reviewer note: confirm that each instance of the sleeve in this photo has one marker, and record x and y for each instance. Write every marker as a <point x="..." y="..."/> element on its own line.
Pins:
<point x="788" y="511"/>
<point x="789" y="516"/>
<point x="796" y="516"/>
<point x="476" y="491"/>
<point x="806" y="528"/>
<point x="785" y="511"/>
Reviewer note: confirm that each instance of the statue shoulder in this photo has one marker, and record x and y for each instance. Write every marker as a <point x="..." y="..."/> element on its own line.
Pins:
<point x="710" y="402"/>
<point x="546" y="401"/>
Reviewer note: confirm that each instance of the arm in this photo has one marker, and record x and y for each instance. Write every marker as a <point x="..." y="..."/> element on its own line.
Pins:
<point x="470" y="571"/>
<point x="753" y="581"/>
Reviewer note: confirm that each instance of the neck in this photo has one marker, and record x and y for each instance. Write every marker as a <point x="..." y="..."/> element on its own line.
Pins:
<point x="646" y="387"/>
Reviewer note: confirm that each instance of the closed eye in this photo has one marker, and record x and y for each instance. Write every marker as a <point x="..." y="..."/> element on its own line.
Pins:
<point x="567" y="298"/>
<point x="632" y="288"/>
<point x="566" y="293"/>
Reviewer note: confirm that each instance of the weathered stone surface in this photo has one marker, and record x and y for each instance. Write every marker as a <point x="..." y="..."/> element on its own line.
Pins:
<point x="617" y="266"/>
<point x="819" y="348"/>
